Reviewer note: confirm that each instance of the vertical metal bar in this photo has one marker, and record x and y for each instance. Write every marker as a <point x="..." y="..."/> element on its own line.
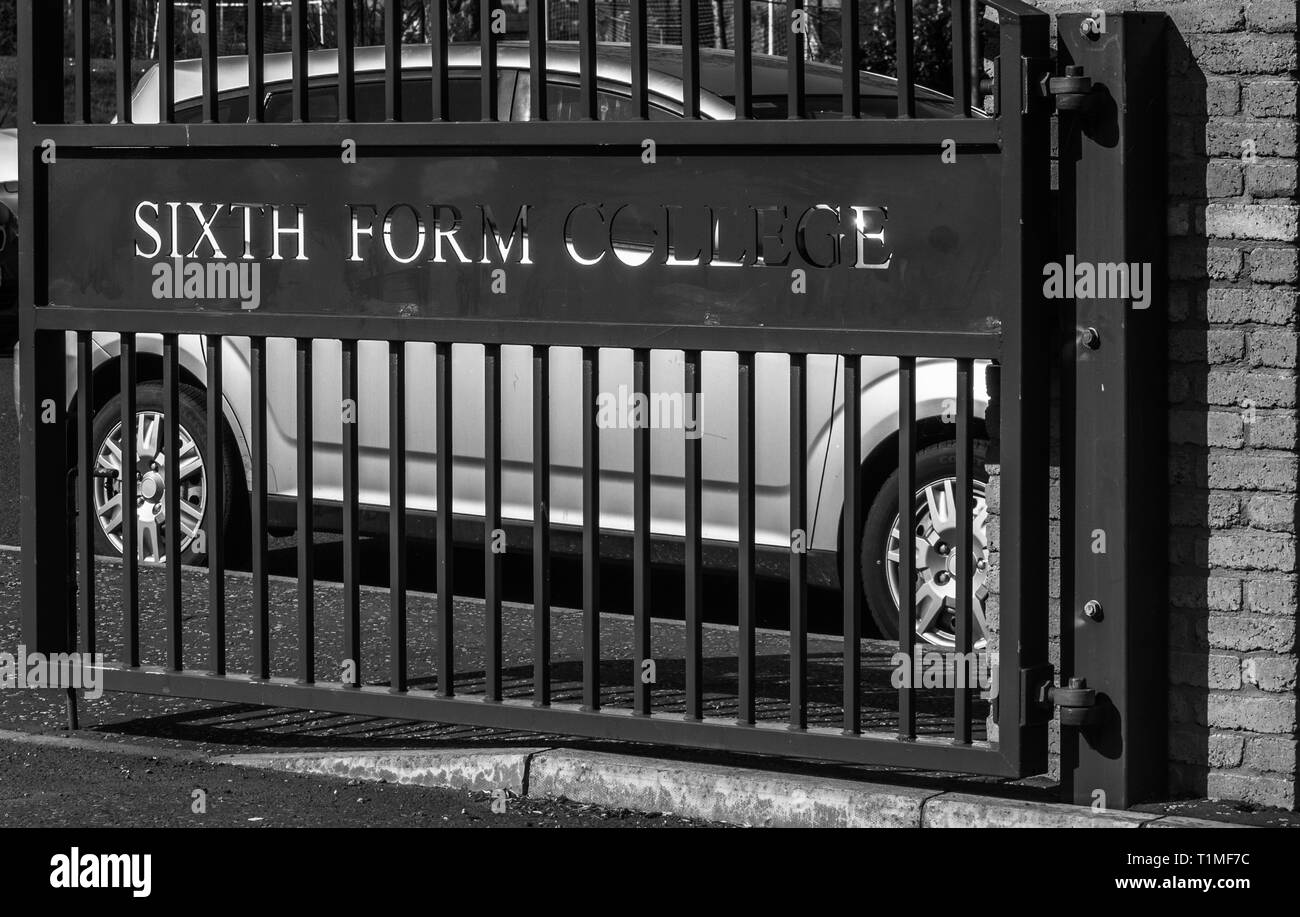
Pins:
<point x="172" y="500"/>
<point x="446" y="546"/>
<point x="215" y="533"/>
<point x="850" y="54"/>
<point x="906" y="538"/>
<point x="641" y="650"/>
<point x="438" y="43"/>
<point x="965" y="551"/>
<point x="306" y="523"/>
<point x="347" y="39"/>
<point x="590" y="530"/>
<point x="690" y="59"/>
<point x="122" y="50"/>
<point x="86" y="521"/>
<point x="488" y="60"/>
<point x="744" y="59"/>
<point x="45" y="559"/>
<point x="397" y="514"/>
<point x="974" y="57"/>
<point x="493" y="536"/>
<point x="257" y="507"/>
<point x="256" y="71"/>
<point x="799" y="536"/>
<point x="350" y="420"/>
<point x="129" y="493"/>
<point x="1023" y="415"/>
<point x="794" y="59"/>
<point x="81" y="46"/>
<point x="851" y="579"/>
<point x="166" y="62"/>
<point x="745" y="568"/>
<point x="694" y="532"/>
<point x="298" y="32"/>
<point x="638" y="40"/>
<point x="208" y="50"/>
<point x="537" y="59"/>
<point x="960" y="62"/>
<point x="587" y="58"/>
<point x="906" y="45"/>
<point x="541" y="526"/>
<point x="393" y="60"/>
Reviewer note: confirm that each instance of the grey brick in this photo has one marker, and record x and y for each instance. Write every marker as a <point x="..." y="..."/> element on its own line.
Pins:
<point x="1270" y="753"/>
<point x="1275" y="264"/>
<point x="1271" y="98"/>
<point x="1266" y="222"/>
<point x="1274" y="512"/>
<point x="1266" y="179"/>
<point x="1272" y="595"/>
<point x="1274" y="348"/>
<point x="1250" y="712"/>
<point x="1269" y="673"/>
<point x="1266" y="306"/>
<point x="1273" y="431"/>
<point x="1242" y="549"/>
<point x="1263" y="388"/>
<point x="1262" y="791"/>
<point x="1245" y="633"/>
<point x="1270" y="15"/>
<point x="1243" y="53"/>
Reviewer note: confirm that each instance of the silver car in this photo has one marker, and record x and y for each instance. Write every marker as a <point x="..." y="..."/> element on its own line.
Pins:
<point x="931" y="526"/>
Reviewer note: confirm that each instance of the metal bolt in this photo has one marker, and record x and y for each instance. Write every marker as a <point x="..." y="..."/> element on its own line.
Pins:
<point x="1091" y="338"/>
<point x="941" y="577"/>
<point x="941" y="547"/>
<point x="1092" y="610"/>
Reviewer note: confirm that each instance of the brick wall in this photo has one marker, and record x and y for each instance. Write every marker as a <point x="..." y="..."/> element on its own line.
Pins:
<point x="1234" y="276"/>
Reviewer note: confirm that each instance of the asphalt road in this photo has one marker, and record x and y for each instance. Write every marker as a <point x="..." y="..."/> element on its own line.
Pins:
<point x="60" y="787"/>
<point x="720" y="599"/>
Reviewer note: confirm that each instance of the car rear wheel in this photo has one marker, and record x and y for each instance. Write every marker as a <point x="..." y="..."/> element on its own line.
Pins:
<point x="932" y="533"/>
<point x="153" y="452"/>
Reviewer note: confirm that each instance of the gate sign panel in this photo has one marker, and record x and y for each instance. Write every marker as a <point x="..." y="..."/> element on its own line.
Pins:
<point x="844" y="242"/>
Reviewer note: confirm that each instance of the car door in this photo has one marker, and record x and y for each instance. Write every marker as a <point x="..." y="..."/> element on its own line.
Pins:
<point x="371" y="410"/>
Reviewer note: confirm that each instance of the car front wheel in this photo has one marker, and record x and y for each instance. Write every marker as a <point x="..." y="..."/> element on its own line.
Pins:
<point x="153" y="452"/>
<point x="931" y="532"/>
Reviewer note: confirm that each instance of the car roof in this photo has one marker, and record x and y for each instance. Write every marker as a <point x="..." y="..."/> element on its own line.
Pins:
<point x="613" y="65"/>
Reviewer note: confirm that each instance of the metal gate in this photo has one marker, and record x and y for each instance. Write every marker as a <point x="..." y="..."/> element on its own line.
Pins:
<point x="955" y="275"/>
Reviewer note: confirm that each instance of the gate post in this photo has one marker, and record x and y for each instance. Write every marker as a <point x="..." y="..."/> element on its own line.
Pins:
<point x="1114" y="531"/>
<point x="42" y="415"/>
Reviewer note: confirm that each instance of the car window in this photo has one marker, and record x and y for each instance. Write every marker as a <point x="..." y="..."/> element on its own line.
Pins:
<point x="564" y="103"/>
<point x="463" y="97"/>
<point x="832" y="106"/>
<point x="230" y="110"/>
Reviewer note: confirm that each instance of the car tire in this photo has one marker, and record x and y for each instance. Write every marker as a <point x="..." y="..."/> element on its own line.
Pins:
<point x="150" y="474"/>
<point x="935" y="465"/>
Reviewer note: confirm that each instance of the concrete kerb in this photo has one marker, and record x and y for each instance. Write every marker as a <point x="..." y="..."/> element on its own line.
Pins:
<point x="731" y="795"/>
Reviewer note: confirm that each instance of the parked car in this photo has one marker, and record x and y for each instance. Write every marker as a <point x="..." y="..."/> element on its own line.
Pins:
<point x="931" y="526"/>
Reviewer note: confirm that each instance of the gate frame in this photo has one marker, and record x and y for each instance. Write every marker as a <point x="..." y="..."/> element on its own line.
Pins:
<point x="46" y="559"/>
<point x="1114" y="418"/>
